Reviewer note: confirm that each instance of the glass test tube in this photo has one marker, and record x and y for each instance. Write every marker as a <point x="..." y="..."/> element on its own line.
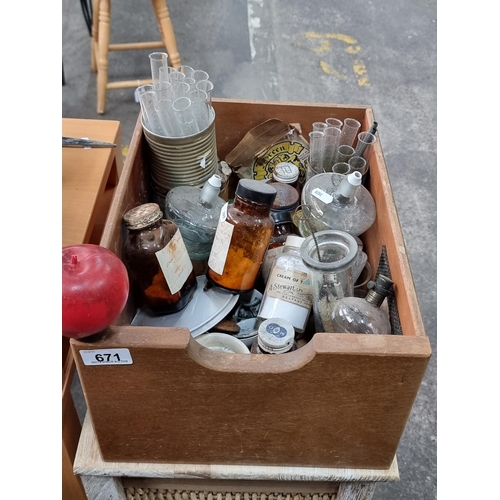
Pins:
<point x="330" y="145"/>
<point x="315" y="154"/>
<point x="357" y="164"/>
<point x="341" y="168"/>
<point x="187" y="70"/>
<point x="319" y="126"/>
<point x="157" y="60"/>
<point x="349" y="131"/>
<point x="167" y="119"/>
<point x="200" y="75"/>
<point x="364" y="147"/>
<point x="151" y="119"/>
<point x="207" y="86"/>
<point x="180" y="89"/>
<point x="183" y="112"/>
<point x="200" y="108"/>
<point x="334" y="122"/>
<point x="344" y="152"/>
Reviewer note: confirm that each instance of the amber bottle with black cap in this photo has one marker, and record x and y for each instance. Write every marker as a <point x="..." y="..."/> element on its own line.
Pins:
<point x="243" y="234"/>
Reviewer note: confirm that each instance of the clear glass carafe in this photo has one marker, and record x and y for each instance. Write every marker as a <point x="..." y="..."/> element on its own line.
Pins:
<point x="340" y="202"/>
<point x="196" y="212"/>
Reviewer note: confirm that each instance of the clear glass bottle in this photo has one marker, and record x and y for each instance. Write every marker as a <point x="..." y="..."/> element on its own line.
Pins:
<point x="330" y="257"/>
<point x="363" y="315"/>
<point x="243" y="234"/>
<point x="287" y="200"/>
<point x="288" y="292"/>
<point x="196" y="212"/>
<point x="339" y="202"/>
<point x="274" y="336"/>
<point x="161" y="273"/>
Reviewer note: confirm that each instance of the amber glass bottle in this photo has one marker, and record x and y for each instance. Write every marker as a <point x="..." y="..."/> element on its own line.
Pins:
<point x="160" y="270"/>
<point x="243" y="234"/>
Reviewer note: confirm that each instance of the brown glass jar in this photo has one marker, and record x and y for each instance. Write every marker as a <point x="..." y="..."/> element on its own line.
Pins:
<point x="287" y="173"/>
<point x="243" y="233"/>
<point x="160" y="270"/>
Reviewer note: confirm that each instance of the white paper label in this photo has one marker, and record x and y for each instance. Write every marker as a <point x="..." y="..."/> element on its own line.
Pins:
<point x="322" y="195"/>
<point x="222" y="241"/>
<point x="291" y="285"/>
<point x="175" y="262"/>
<point x="99" y="357"/>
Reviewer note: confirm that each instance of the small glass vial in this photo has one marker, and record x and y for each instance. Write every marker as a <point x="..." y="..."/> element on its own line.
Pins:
<point x="288" y="292"/>
<point x="158" y="263"/>
<point x="243" y="233"/>
<point x="275" y="336"/>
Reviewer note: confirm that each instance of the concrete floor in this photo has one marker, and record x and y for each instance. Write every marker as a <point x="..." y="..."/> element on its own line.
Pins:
<point x="296" y="51"/>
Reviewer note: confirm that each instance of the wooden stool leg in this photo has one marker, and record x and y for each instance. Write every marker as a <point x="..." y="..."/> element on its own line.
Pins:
<point x="103" y="488"/>
<point x="102" y="54"/>
<point x="95" y="35"/>
<point x="356" y="491"/>
<point x="167" y="31"/>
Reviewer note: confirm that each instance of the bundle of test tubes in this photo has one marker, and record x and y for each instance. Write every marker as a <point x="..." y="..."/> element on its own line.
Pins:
<point x="331" y="147"/>
<point x="178" y="103"/>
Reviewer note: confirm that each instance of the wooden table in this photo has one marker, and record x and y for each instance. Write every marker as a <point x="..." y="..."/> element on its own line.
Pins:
<point x="158" y="481"/>
<point x="89" y="177"/>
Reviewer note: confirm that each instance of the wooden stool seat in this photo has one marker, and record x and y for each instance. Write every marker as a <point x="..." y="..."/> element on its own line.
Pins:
<point x="100" y="47"/>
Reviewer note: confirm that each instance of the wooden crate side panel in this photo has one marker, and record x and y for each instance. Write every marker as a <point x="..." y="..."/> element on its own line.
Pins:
<point x="387" y="231"/>
<point x="235" y="118"/>
<point x="340" y="401"/>
<point x="133" y="189"/>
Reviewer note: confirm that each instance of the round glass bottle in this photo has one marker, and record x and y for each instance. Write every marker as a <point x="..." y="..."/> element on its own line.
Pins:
<point x="330" y="256"/>
<point x="363" y="315"/>
<point x="196" y="212"/>
<point x="243" y="234"/>
<point x="275" y="336"/>
<point x="158" y="263"/>
<point x="340" y="202"/>
<point x="288" y="292"/>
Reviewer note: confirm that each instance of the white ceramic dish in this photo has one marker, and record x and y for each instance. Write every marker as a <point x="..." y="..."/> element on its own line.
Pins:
<point x="204" y="311"/>
<point x="222" y="342"/>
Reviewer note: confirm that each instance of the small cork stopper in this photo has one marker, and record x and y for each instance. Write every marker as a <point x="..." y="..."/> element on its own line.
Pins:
<point x="143" y="216"/>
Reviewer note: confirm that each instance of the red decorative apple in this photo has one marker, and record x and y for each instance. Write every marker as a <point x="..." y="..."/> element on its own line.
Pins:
<point x="95" y="288"/>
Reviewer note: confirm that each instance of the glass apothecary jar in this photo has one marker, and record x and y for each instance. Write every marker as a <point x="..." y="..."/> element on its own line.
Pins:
<point x="330" y="257"/>
<point x="160" y="270"/>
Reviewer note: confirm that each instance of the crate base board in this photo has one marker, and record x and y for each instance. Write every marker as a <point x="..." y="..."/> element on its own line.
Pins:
<point x="115" y="489"/>
<point x="152" y="481"/>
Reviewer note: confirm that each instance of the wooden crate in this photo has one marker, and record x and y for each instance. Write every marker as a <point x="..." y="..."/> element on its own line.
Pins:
<point x="342" y="400"/>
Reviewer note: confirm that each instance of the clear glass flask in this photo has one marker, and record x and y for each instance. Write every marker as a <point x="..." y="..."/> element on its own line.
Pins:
<point x="364" y="315"/>
<point x="338" y="201"/>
